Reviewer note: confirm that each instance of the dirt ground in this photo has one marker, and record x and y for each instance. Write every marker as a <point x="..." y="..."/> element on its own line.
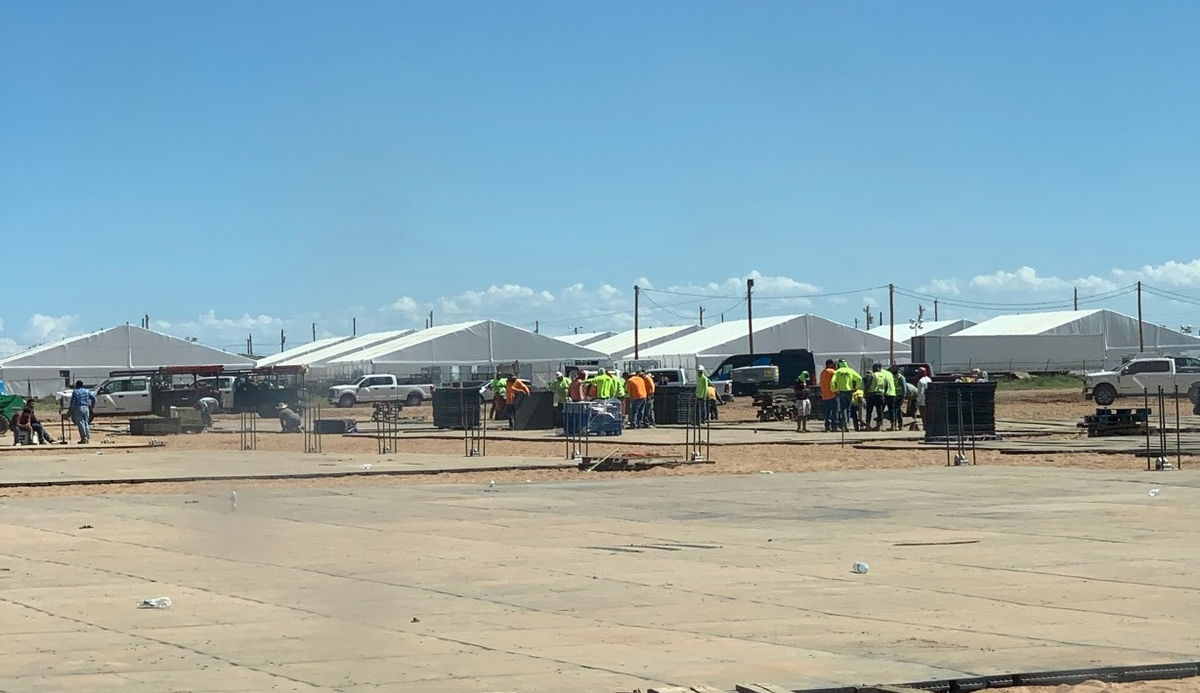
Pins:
<point x="1169" y="686"/>
<point x="1028" y="405"/>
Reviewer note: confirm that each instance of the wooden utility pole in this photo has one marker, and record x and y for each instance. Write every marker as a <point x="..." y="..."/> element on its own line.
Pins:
<point x="867" y="311"/>
<point x="892" y="320"/>
<point x="282" y="340"/>
<point x="637" y="299"/>
<point x="537" y="325"/>
<point x="250" y="344"/>
<point x="1077" y="298"/>
<point x="1141" y="337"/>
<point x="431" y="318"/>
<point x="701" y="316"/>
<point x="314" y="331"/>
<point x="750" y="312"/>
<point x="935" y="302"/>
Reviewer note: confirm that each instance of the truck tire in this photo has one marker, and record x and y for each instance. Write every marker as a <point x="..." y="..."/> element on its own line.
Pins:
<point x="346" y="401"/>
<point x="3" y="424"/>
<point x="1104" y="394"/>
<point x="414" y="399"/>
<point x="1193" y="395"/>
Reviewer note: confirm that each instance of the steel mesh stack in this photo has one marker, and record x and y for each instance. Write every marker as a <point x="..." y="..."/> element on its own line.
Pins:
<point x="456" y="407"/>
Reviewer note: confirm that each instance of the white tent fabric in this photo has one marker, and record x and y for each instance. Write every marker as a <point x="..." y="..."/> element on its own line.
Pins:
<point x="478" y="343"/>
<point x="1082" y="340"/>
<point x="824" y="338"/>
<point x="303" y="349"/>
<point x="931" y="328"/>
<point x="91" y="357"/>
<point x="584" y="338"/>
<point x="317" y="361"/>
<point x="648" y="337"/>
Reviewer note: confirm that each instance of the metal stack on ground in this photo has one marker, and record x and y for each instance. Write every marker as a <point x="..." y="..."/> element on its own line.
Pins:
<point x="1119" y="422"/>
<point x="777" y="404"/>
<point x="248" y="430"/>
<point x="473" y="422"/>
<point x="311" y="427"/>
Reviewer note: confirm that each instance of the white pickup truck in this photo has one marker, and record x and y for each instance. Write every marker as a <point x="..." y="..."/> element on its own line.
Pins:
<point x="1145" y="375"/>
<point x="379" y="388"/>
<point x="117" y="396"/>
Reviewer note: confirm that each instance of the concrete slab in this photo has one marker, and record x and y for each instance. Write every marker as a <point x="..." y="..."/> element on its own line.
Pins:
<point x="606" y="585"/>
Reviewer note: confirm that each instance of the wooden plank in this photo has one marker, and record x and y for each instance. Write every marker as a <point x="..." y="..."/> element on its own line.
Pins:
<point x="669" y="689"/>
<point x="707" y="689"/>
<point x="761" y="688"/>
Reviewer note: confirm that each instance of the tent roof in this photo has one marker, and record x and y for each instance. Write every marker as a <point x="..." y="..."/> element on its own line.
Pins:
<point x="647" y="337"/>
<point x="301" y="350"/>
<point x="122" y="346"/>
<point x="481" y="341"/>
<point x="930" y="328"/>
<point x="813" y="332"/>
<point x="350" y="345"/>
<point x="584" y="338"/>
<point x="1033" y="323"/>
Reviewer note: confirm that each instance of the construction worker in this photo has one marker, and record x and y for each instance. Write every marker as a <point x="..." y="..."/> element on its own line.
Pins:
<point x="886" y="384"/>
<point x="514" y="392"/>
<point x="702" y="385"/>
<point x="648" y="417"/>
<point x="606" y="386"/>
<point x="845" y="381"/>
<point x="578" y="390"/>
<point x="828" y="396"/>
<point x="635" y="389"/>
<point x="497" y="386"/>
<point x="561" y="387"/>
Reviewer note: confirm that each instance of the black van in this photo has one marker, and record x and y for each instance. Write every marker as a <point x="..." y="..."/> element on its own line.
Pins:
<point x="791" y="362"/>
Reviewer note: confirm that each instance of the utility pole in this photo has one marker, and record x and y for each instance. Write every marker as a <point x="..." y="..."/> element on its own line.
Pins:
<point x="1141" y="338"/>
<point x="353" y="327"/>
<point x="935" y="302"/>
<point x="701" y="316"/>
<point x="1077" y="298"/>
<point x="250" y="344"/>
<point x="892" y="322"/>
<point x="537" y="327"/>
<point x="576" y="330"/>
<point x="856" y="323"/>
<point x="867" y="311"/>
<point x="637" y="301"/>
<point x="282" y="340"/>
<point x="314" y="331"/>
<point x="750" y="312"/>
<point x="431" y="318"/>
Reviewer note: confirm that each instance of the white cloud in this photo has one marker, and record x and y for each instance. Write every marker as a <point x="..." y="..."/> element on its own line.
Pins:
<point x="9" y="346"/>
<point x="1170" y="273"/>
<point x="1027" y="279"/>
<point x="44" y="328"/>
<point x="940" y="287"/>
<point x="408" y="307"/>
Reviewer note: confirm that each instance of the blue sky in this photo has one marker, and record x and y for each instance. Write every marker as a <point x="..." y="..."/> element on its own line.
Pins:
<point x="235" y="167"/>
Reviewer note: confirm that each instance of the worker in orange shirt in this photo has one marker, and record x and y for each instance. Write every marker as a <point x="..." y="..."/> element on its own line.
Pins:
<point x="514" y="392"/>
<point x="648" y="415"/>
<point x="578" y="390"/>
<point x="635" y="393"/>
<point x="828" y="396"/>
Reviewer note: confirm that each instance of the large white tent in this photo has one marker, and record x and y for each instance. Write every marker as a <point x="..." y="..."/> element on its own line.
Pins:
<point x="584" y="338"/>
<point x="1071" y="340"/>
<point x="931" y="328"/>
<point x="647" y="338"/>
<point x="302" y="350"/>
<point x="318" y="360"/>
<point x="467" y="345"/>
<point x="91" y="357"/>
<point x="824" y="338"/>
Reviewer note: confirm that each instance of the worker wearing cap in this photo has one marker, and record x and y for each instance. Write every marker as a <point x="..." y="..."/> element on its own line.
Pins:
<point x="497" y="386"/>
<point x="561" y="387"/>
<point x="515" y="392"/>
<point x="606" y="386"/>
<point x="648" y="416"/>
<point x="635" y="390"/>
<point x="845" y="381"/>
<point x="828" y="396"/>
<point x="702" y="385"/>
<point x="578" y="389"/>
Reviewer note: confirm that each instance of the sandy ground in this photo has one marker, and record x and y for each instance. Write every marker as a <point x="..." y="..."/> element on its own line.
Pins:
<point x="1170" y="686"/>
<point x="733" y="460"/>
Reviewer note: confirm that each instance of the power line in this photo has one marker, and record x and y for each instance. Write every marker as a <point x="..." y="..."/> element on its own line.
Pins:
<point x="1016" y="305"/>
